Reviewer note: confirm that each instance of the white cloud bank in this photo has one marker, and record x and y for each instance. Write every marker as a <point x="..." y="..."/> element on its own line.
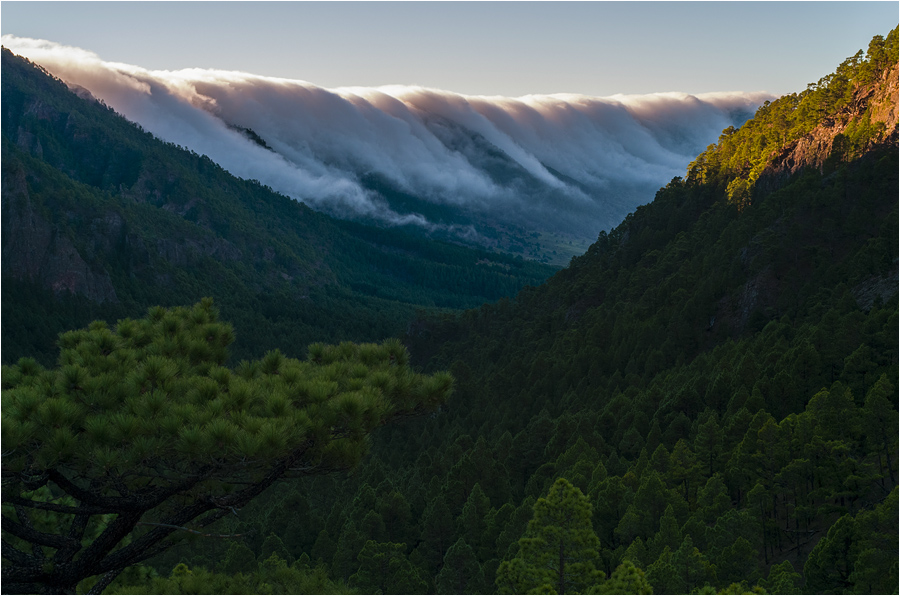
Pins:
<point x="564" y="162"/>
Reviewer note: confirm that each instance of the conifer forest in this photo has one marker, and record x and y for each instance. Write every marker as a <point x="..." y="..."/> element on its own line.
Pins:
<point x="209" y="387"/>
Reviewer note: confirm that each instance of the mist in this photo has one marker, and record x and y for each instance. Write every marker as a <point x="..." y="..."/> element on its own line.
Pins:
<point x="560" y="163"/>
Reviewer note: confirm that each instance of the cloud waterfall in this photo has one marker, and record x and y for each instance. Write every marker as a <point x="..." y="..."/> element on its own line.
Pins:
<point x="558" y="162"/>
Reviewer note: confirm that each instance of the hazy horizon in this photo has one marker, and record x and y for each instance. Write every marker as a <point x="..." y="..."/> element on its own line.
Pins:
<point x="476" y="48"/>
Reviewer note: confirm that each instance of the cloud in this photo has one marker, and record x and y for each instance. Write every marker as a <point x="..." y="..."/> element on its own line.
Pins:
<point x="564" y="162"/>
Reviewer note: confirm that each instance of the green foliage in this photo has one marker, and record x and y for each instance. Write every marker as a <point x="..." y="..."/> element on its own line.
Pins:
<point x="716" y="384"/>
<point x="783" y="580"/>
<point x="859" y="554"/>
<point x="626" y="579"/>
<point x="741" y="155"/>
<point x="273" y="545"/>
<point x="384" y="568"/>
<point x="461" y="572"/>
<point x="664" y="576"/>
<point x="164" y="434"/>
<point x="238" y="559"/>
<point x="274" y="576"/>
<point x="559" y="549"/>
<point x="711" y="363"/>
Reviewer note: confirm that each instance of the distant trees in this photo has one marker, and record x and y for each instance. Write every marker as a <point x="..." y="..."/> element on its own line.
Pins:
<point x="141" y="436"/>
<point x="859" y="554"/>
<point x="384" y="568"/>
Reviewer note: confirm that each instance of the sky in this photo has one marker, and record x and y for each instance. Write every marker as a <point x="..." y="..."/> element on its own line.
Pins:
<point x="476" y="48"/>
<point x="558" y="117"/>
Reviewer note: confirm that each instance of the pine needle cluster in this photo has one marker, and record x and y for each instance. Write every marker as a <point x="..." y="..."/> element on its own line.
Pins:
<point x="143" y="423"/>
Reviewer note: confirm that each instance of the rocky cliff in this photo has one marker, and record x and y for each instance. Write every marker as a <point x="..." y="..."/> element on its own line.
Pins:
<point x="874" y="105"/>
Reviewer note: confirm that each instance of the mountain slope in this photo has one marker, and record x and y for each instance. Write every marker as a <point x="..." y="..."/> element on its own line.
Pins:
<point x="102" y="220"/>
<point x="717" y="374"/>
<point x="742" y="299"/>
<point x="537" y="167"/>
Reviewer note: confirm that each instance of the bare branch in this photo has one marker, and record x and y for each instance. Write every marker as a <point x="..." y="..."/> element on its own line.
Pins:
<point x="104" y="581"/>
<point x="31" y="535"/>
<point x="15" y="555"/>
<point x="56" y="507"/>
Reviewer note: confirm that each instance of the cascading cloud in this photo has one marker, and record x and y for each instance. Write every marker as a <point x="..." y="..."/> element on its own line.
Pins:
<point x="560" y="162"/>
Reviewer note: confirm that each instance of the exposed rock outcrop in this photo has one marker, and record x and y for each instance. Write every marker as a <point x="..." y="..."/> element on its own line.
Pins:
<point x="877" y="288"/>
<point x="879" y="100"/>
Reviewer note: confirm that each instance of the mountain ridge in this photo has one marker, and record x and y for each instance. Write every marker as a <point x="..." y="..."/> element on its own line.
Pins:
<point x="714" y="378"/>
<point x="711" y="325"/>
<point x="479" y="163"/>
<point x="118" y="221"/>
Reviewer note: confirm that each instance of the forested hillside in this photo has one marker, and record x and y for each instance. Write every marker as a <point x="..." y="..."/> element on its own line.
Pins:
<point x="704" y="402"/>
<point x="102" y="220"/>
<point x="717" y="375"/>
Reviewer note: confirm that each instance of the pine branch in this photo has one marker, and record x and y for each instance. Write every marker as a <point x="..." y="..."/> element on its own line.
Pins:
<point x="15" y="556"/>
<point x="104" y="581"/>
<point x="33" y="536"/>
<point x="56" y="507"/>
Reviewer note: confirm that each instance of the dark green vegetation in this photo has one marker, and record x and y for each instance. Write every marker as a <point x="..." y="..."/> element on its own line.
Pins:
<point x="101" y="220"/>
<point x="141" y="432"/>
<point x="715" y="380"/>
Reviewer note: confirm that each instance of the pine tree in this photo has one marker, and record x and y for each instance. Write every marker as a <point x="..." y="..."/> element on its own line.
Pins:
<point x="324" y="548"/>
<point x="626" y="579"/>
<point x="437" y="533"/>
<point x="349" y="544"/>
<point x="384" y="568"/>
<point x="783" y="580"/>
<point x="669" y="535"/>
<point x="142" y="436"/>
<point x="829" y="565"/>
<point x="664" y="577"/>
<point x="238" y="559"/>
<point x="858" y="555"/>
<point x="274" y="545"/>
<point x="643" y="515"/>
<point x="472" y="523"/>
<point x="395" y="513"/>
<point x="708" y="443"/>
<point x="880" y="424"/>
<point x="461" y="572"/>
<point x="559" y="550"/>
<point x="713" y="500"/>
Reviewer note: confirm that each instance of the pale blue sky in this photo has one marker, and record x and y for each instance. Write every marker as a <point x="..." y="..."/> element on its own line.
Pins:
<point x="503" y="48"/>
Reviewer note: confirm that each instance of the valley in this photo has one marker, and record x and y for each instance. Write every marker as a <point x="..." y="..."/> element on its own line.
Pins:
<point x="702" y="398"/>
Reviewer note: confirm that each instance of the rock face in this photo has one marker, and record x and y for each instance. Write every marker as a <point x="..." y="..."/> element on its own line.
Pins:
<point x="884" y="103"/>
<point x="875" y="288"/>
<point x="188" y="251"/>
<point x="877" y="103"/>
<point x="36" y="251"/>
<point x="879" y="100"/>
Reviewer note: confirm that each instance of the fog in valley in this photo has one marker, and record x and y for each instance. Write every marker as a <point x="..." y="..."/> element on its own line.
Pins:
<point x="558" y="163"/>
